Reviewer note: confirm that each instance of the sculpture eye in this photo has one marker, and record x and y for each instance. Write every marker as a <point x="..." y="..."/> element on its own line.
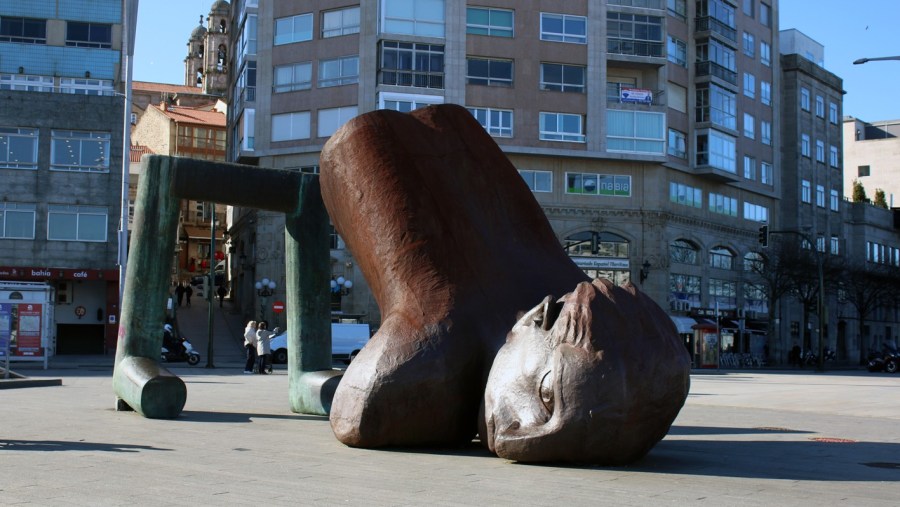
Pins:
<point x="546" y="391"/>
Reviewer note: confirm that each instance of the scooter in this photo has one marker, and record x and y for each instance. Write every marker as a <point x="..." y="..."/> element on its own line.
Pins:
<point x="887" y="360"/>
<point x="187" y="353"/>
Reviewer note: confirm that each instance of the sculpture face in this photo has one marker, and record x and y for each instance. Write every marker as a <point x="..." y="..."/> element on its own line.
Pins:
<point x="567" y="389"/>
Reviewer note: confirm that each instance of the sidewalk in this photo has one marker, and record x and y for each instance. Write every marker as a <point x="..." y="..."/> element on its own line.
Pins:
<point x="228" y="331"/>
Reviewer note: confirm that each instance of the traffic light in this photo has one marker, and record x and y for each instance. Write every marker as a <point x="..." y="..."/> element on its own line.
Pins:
<point x="763" y="236"/>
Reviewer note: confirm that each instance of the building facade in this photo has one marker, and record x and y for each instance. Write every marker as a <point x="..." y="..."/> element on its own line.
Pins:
<point x="61" y="129"/>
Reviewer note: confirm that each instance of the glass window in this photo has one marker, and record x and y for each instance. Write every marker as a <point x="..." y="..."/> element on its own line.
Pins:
<point x="26" y="83"/>
<point x="340" y="22"/>
<point x="332" y="119"/>
<point x="340" y="71"/>
<point x="722" y="258"/>
<point x="24" y="30"/>
<point x="677" y="8"/>
<point x="717" y="105"/>
<point x="835" y="200"/>
<point x="405" y="102"/>
<point x="17" y="220"/>
<point x="685" y="195"/>
<point x="86" y="86"/>
<point x="677" y="144"/>
<point x="538" y="181"/>
<point x="482" y="71"/>
<point x="835" y="246"/>
<point x="716" y="149"/>
<point x="723" y="205"/>
<point x="749" y="168"/>
<point x="820" y="106"/>
<point x="564" y="28"/>
<point x="293" y="29"/>
<point x="635" y="131"/>
<point x="633" y="34"/>
<point x="88" y="35"/>
<point x="412" y="64"/>
<point x="834" y="159"/>
<point x="820" y="196"/>
<point x="765" y="132"/>
<point x="290" y="126"/>
<point x="805" y="145"/>
<point x="290" y="78"/>
<point x="806" y="191"/>
<point x="561" y="127"/>
<point x="497" y="122"/>
<point x="562" y="78"/>
<point x="676" y="51"/>
<point x="756" y="212"/>
<point x="765" y="14"/>
<point x="749" y="45"/>
<point x="413" y="17"/>
<point x="685" y="288"/>
<point x="804" y="99"/>
<point x="749" y="126"/>
<point x="765" y="92"/>
<point x="765" y="173"/>
<point x="18" y="148"/>
<point x="863" y="170"/>
<point x="820" y="151"/>
<point x="833" y="113"/>
<point x="76" y="223"/>
<point x="72" y="150"/>
<point x="487" y="21"/>
<point x="765" y="53"/>
<point x="747" y="7"/>
<point x="723" y="293"/>
<point x="684" y="252"/>
<point x="749" y="85"/>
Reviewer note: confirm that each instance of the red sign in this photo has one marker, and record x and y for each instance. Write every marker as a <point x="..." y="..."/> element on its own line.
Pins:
<point x="278" y="306"/>
<point x="28" y="273"/>
<point x="28" y="340"/>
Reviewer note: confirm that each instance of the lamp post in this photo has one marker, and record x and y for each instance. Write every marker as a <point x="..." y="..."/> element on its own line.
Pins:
<point x="861" y="61"/>
<point x="645" y="271"/>
<point x="264" y="289"/>
<point x="340" y="287"/>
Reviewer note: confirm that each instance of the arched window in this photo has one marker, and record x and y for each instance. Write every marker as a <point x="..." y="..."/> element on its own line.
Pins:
<point x="600" y="244"/>
<point x="754" y="262"/>
<point x="683" y="252"/>
<point x="221" y="56"/>
<point x="721" y="257"/>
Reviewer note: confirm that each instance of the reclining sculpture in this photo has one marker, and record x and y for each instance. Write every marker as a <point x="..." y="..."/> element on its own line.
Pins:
<point x="455" y="249"/>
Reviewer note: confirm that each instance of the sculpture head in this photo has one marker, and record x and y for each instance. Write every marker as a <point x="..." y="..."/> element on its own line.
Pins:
<point x="597" y="376"/>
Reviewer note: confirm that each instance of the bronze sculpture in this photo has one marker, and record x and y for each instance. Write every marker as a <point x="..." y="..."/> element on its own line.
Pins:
<point x="455" y="248"/>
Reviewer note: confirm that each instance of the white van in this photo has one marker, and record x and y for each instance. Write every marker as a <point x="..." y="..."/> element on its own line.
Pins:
<point x="346" y="341"/>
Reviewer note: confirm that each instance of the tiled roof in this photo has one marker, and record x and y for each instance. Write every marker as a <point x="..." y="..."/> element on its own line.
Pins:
<point x="195" y="115"/>
<point x="164" y="88"/>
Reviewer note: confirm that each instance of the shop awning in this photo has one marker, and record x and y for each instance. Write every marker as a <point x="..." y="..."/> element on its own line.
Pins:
<point x="683" y="324"/>
<point x="195" y="232"/>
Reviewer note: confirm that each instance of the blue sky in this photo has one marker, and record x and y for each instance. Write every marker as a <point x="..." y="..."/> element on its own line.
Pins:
<point x="848" y="30"/>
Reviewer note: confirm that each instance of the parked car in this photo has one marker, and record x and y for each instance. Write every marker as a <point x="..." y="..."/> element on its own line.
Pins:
<point x="346" y="342"/>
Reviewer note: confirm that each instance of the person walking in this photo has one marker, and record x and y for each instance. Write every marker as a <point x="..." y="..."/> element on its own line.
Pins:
<point x="188" y="292"/>
<point x="250" y="345"/>
<point x="179" y="293"/>
<point x="221" y="293"/>
<point x="263" y="335"/>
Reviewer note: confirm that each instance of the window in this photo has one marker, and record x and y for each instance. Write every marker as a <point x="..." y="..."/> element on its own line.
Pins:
<point x="419" y="17"/>
<point x="404" y="102"/>
<point x="635" y="131"/>
<point x="412" y="64"/>
<point x="677" y="99"/>
<point x="562" y="127"/>
<point x="716" y="59"/>
<point x="24" y="30"/>
<point x="18" y="148"/>
<point x="747" y="7"/>
<point x="765" y="15"/>
<point x="765" y="129"/>
<point x="685" y="195"/>
<point x="76" y="223"/>
<point x="677" y="8"/>
<point x="765" y="92"/>
<point x="676" y="51"/>
<point x="754" y="262"/>
<point x="749" y="85"/>
<point x="634" y="34"/>
<point x="86" y="86"/>
<point x="598" y="184"/>
<point x="820" y="196"/>
<point x="538" y="181"/>
<point x="820" y="151"/>
<point x="290" y="126"/>
<point x="820" y="106"/>
<point x="647" y="4"/>
<point x="721" y="258"/>
<point x="685" y="288"/>
<point x="749" y="168"/>
<point x="765" y="173"/>
<point x="835" y="245"/>
<point x="340" y="22"/>
<point x="722" y="204"/>
<point x="481" y="71"/>
<point x="820" y="243"/>
<point x="562" y="78"/>
<point x="497" y="122"/>
<point x="805" y="145"/>
<point x="88" y="35"/>
<point x="835" y="200"/>
<point x="492" y="22"/>
<point x="331" y="119"/>
<point x="340" y="71"/>
<point x="749" y="45"/>
<point x="293" y="29"/>
<point x="683" y="252"/>
<point x="246" y="40"/>
<point x="765" y="53"/>
<point x="833" y="156"/>
<point x="563" y="28"/>
<point x="26" y="83"/>
<point x="749" y="126"/>
<point x="290" y="78"/>
<point x="17" y="220"/>
<point x="723" y="293"/>
<point x="677" y="144"/>
<point x="804" y="99"/>
<point x="717" y="105"/>
<point x="863" y="170"/>
<point x="833" y="113"/>
<point x="806" y="192"/>
<point x="755" y="212"/>
<point x="72" y="150"/>
<point x="717" y="150"/>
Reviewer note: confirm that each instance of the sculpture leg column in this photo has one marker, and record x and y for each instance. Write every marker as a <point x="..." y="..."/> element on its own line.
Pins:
<point x="138" y="380"/>
<point x="311" y="379"/>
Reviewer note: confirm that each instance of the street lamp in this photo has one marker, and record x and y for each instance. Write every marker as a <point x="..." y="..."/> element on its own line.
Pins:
<point x="264" y="289"/>
<point x="341" y="286"/>
<point x="861" y="61"/>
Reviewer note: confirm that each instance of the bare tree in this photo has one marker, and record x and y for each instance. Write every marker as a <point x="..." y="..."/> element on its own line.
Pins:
<point x="866" y="287"/>
<point x="770" y="274"/>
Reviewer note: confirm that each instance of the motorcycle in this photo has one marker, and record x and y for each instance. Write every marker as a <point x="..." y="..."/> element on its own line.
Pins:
<point x="177" y="350"/>
<point x="812" y="359"/>
<point x="887" y="360"/>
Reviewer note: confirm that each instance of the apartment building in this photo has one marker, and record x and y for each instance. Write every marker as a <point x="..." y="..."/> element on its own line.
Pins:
<point x="646" y="129"/>
<point x="61" y="125"/>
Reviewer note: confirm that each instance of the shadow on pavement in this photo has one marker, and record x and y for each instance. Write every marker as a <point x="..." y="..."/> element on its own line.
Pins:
<point x="58" y="445"/>
<point x="711" y="430"/>
<point x="241" y="417"/>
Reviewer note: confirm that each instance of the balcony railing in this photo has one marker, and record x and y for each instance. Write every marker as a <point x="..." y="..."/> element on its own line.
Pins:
<point x="614" y="95"/>
<point x="709" y="68"/>
<point x="634" y="47"/>
<point x="710" y="24"/>
<point x="412" y="78"/>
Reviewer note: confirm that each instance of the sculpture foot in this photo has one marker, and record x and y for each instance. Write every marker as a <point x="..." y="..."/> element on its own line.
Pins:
<point x="149" y="389"/>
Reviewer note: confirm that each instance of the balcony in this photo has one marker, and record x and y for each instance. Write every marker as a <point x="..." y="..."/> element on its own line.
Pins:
<point x="412" y="78"/>
<point x="632" y="47"/>
<point x="618" y="93"/>
<point x="710" y="24"/>
<point x="709" y="68"/>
